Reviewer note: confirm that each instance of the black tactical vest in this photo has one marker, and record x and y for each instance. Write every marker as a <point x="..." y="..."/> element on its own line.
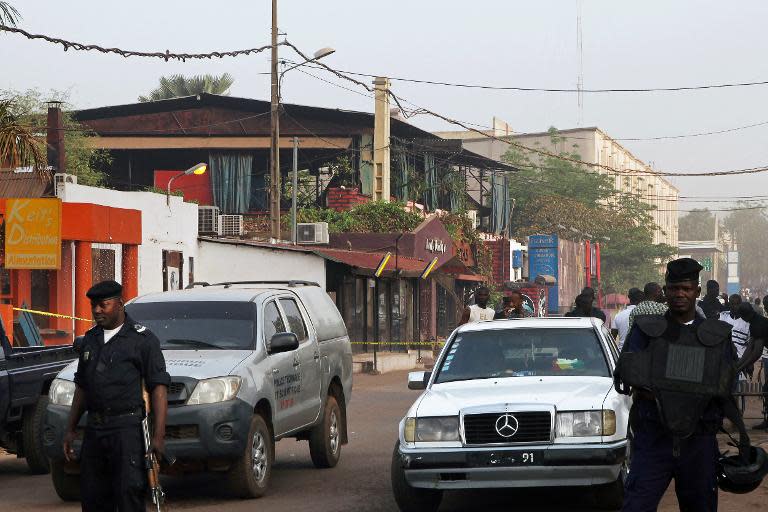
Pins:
<point x="685" y="368"/>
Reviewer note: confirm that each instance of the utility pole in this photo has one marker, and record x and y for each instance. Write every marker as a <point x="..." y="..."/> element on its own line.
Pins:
<point x="274" y="152"/>
<point x="294" y="189"/>
<point x="381" y="151"/>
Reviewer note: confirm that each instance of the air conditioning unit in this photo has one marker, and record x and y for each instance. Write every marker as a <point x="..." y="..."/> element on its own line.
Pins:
<point x="312" y="233"/>
<point x="208" y="220"/>
<point x="231" y="225"/>
<point x="59" y="179"/>
<point x="472" y="215"/>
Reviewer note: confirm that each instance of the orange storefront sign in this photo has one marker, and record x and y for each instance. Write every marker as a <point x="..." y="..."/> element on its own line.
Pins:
<point x="33" y="234"/>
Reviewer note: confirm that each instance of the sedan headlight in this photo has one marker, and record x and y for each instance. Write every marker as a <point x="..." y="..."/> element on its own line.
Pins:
<point x="62" y="392"/>
<point x="210" y="391"/>
<point x="586" y="423"/>
<point x="433" y="429"/>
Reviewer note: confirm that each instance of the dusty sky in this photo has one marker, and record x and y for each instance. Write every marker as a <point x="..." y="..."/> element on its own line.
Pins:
<point x="654" y="43"/>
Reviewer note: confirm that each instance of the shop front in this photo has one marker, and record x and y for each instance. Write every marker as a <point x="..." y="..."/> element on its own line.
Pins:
<point x="52" y="252"/>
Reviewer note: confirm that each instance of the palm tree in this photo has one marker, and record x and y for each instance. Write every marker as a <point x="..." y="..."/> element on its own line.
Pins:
<point x="175" y="86"/>
<point x="19" y="146"/>
<point x="8" y="14"/>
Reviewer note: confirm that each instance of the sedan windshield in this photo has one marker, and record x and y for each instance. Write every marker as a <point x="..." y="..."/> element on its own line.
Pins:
<point x="198" y="325"/>
<point x="523" y="352"/>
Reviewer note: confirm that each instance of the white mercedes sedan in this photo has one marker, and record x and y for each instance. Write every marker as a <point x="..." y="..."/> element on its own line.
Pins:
<point x="515" y="403"/>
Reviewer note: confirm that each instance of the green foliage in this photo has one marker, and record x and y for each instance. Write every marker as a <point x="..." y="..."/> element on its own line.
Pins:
<point x="176" y="86"/>
<point x="698" y="224"/>
<point x="553" y="195"/>
<point x="19" y="145"/>
<point x="342" y="169"/>
<point x="370" y="217"/>
<point x="83" y="161"/>
<point x="749" y="229"/>
<point x="8" y="14"/>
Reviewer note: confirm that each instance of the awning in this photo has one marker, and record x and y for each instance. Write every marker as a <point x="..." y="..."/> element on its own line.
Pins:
<point x="365" y="263"/>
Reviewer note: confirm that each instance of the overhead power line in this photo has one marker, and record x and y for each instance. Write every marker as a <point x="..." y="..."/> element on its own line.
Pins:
<point x="166" y="55"/>
<point x="560" y="90"/>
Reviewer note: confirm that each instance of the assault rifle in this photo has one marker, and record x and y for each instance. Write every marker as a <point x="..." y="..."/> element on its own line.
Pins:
<point x="150" y="459"/>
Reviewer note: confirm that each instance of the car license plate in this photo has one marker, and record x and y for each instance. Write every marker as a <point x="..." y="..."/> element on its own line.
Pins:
<point x="506" y="458"/>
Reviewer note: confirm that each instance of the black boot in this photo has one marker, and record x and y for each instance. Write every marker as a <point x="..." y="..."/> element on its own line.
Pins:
<point x="761" y="426"/>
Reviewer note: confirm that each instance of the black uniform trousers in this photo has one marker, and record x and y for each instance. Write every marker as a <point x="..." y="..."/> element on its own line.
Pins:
<point x="112" y="475"/>
<point x="653" y="466"/>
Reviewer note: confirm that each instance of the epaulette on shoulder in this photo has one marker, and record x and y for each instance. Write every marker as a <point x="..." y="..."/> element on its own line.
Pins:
<point x="652" y="325"/>
<point x="713" y="332"/>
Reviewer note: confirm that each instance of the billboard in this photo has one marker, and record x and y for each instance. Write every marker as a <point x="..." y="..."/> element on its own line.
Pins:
<point x="543" y="260"/>
<point x="33" y="234"/>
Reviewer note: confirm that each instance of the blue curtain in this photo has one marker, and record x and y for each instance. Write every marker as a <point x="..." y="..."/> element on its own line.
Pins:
<point x="430" y="179"/>
<point x="231" y="180"/>
<point x="500" y="204"/>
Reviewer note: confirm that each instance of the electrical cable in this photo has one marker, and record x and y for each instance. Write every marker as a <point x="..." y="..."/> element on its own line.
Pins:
<point x="166" y="55"/>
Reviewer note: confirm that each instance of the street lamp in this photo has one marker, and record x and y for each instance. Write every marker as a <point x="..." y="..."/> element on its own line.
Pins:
<point x="274" y="150"/>
<point x="196" y="170"/>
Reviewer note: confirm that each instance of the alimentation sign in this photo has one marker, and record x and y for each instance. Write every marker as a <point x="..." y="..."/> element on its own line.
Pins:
<point x="33" y="233"/>
<point x="543" y="260"/>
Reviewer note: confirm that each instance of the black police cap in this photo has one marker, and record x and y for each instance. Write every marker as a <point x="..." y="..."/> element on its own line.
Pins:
<point x="105" y="290"/>
<point x="683" y="269"/>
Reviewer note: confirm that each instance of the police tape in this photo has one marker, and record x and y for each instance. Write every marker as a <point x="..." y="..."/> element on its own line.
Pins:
<point x="54" y="315"/>
<point x="418" y="343"/>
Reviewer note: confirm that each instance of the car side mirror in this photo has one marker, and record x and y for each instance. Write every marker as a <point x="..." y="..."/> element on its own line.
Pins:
<point x="283" y="342"/>
<point x="418" y="380"/>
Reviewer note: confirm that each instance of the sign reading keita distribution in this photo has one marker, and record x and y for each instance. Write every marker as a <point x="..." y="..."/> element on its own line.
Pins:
<point x="33" y="234"/>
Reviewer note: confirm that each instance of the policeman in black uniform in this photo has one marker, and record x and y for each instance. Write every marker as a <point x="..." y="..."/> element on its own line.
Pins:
<point x="658" y="454"/>
<point x="117" y="358"/>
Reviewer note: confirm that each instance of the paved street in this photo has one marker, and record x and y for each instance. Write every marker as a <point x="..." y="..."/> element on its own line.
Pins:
<point x="360" y="482"/>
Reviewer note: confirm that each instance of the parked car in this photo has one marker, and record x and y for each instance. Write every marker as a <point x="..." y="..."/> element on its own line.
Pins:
<point x="515" y="403"/>
<point x="26" y="374"/>
<point x="250" y="364"/>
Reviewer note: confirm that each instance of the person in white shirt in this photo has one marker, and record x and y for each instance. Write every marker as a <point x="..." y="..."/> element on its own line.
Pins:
<point x="620" y="323"/>
<point x="740" y="331"/>
<point x="479" y="311"/>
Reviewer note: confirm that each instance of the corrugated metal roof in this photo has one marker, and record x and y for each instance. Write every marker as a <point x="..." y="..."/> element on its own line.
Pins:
<point x="24" y="184"/>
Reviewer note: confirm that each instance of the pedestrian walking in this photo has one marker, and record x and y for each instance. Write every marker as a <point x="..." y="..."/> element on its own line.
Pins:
<point x="758" y="307"/>
<point x="118" y="357"/>
<point x="654" y="303"/>
<point x="479" y="311"/>
<point x="583" y="307"/>
<point x="620" y="323"/>
<point x="513" y="306"/>
<point x="740" y="331"/>
<point x="673" y="420"/>
<point x="711" y="304"/>
<point x="596" y="311"/>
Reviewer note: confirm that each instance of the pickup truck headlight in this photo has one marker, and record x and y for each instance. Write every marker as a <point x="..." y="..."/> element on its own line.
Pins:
<point x="62" y="392"/>
<point x="586" y="423"/>
<point x="434" y="429"/>
<point x="211" y="391"/>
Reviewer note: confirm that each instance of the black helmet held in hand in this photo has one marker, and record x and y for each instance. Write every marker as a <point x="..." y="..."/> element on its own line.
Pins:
<point x="733" y="475"/>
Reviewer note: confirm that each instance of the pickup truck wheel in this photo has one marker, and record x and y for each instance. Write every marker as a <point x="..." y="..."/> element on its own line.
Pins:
<point x="411" y="499"/>
<point x="325" y="438"/>
<point x="66" y="486"/>
<point x="249" y="475"/>
<point x="32" y="437"/>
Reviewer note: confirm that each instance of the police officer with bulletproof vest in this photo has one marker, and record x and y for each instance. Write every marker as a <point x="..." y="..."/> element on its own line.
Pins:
<point x="117" y="358"/>
<point x="680" y="369"/>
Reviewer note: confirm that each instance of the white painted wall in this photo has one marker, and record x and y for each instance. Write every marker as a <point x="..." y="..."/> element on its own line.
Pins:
<point x="163" y="227"/>
<point x="221" y="261"/>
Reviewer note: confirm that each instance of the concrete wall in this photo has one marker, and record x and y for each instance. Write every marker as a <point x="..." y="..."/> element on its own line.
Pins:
<point x="221" y="261"/>
<point x="163" y="227"/>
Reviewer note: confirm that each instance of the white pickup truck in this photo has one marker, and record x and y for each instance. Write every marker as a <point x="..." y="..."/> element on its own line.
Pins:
<point x="250" y="363"/>
<point x="515" y="403"/>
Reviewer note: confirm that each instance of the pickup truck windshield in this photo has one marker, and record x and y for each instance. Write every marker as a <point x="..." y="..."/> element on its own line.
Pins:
<point x="523" y="352"/>
<point x="198" y="325"/>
